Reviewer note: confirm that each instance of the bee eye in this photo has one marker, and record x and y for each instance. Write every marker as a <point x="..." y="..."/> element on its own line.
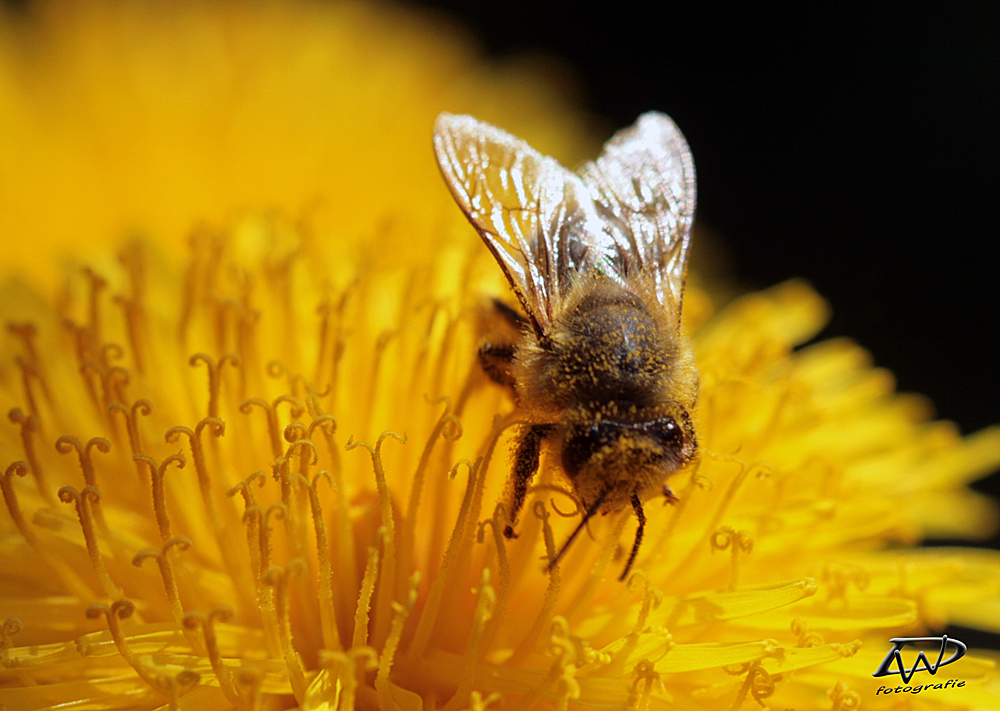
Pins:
<point x="666" y="432"/>
<point x="583" y="441"/>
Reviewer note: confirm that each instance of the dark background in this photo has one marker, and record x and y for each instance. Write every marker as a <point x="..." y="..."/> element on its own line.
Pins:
<point x="857" y="148"/>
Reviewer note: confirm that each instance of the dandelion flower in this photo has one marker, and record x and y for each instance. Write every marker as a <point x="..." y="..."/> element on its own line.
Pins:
<point x="263" y="470"/>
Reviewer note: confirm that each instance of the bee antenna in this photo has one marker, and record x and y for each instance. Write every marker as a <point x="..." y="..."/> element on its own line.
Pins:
<point x="637" y="507"/>
<point x="576" y="531"/>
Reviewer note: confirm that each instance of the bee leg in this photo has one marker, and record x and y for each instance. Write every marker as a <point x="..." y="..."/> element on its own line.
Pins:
<point x="526" y="458"/>
<point x="496" y="360"/>
<point x="637" y="507"/>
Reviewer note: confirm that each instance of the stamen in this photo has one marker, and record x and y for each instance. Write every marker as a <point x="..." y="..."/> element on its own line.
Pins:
<point x="562" y="673"/>
<point x="249" y="681"/>
<point x="418" y="376"/>
<point x="8" y="628"/>
<point x="307" y="446"/>
<point x="327" y="424"/>
<point x="758" y="682"/>
<point x="28" y="373"/>
<point x="400" y="613"/>
<point x="253" y="518"/>
<point x="85" y="500"/>
<point x="113" y="381"/>
<point x="807" y="638"/>
<point x="565" y="664"/>
<point x="265" y="594"/>
<point x="246" y="319"/>
<point x="324" y="310"/>
<point x="698" y="480"/>
<point x="246" y="490"/>
<point x="497" y="523"/>
<point x="327" y="611"/>
<point x="163" y="561"/>
<point x="122" y="610"/>
<point x="131" y="414"/>
<point x="134" y="319"/>
<point x="387" y="575"/>
<point x="279" y="511"/>
<point x="350" y="666"/>
<point x="485" y="604"/>
<point x="277" y="578"/>
<point x="338" y="342"/>
<point x="222" y="308"/>
<point x="478" y="703"/>
<point x="645" y="673"/>
<point x="342" y="535"/>
<point x="271" y="409"/>
<point x="843" y="697"/>
<point x="69" y="443"/>
<point x="110" y="352"/>
<point x="739" y="543"/>
<point x="294" y="535"/>
<point x="651" y="598"/>
<point x="840" y="576"/>
<point x="174" y="685"/>
<point x="214" y="370"/>
<point x="760" y="470"/>
<point x="194" y="620"/>
<point x="81" y="341"/>
<point x="363" y="611"/>
<point x="68" y="576"/>
<point x="28" y="332"/>
<point x="297" y="541"/>
<point x="381" y="343"/>
<point x="29" y="426"/>
<point x="97" y="284"/>
<point x="441" y="366"/>
<point x="277" y="369"/>
<point x="545" y="615"/>
<point x="408" y="534"/>
<point x="218" y="429"/>
<point x="156" y="485"/>
<point x="585" y="593"/>
<point x="10" y="497"/>
<point x="428" y="618"/>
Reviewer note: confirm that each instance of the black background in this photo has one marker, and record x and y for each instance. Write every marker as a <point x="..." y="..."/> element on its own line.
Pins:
<point x="854" y="146"/>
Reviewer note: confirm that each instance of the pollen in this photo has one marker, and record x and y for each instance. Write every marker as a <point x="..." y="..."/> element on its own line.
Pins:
<point x="251" y="460"/>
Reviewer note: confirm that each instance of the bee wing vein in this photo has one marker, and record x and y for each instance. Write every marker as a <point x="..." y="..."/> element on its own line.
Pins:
<point x="644" y="187"/>
<point x="627" y="213"/>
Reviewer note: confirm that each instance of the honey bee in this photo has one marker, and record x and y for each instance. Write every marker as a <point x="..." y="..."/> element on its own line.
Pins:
<point x="598" y="365"/>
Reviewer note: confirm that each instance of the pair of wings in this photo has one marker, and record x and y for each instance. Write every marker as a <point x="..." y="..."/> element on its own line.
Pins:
<point x="627" y="214"/>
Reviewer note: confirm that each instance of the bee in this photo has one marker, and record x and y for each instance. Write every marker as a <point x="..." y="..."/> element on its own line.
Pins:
<point x="599" y="368"/>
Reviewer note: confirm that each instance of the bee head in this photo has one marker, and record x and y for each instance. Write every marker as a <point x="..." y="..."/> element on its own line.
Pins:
<point x="621" y="451"/>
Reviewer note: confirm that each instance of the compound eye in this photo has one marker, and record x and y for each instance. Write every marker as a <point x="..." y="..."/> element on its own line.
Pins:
<point x="584" y="441"/>
<point x="666" y="431"/>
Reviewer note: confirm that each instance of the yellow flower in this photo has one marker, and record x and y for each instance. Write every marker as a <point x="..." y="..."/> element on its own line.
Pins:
<point x="263" y="471"/>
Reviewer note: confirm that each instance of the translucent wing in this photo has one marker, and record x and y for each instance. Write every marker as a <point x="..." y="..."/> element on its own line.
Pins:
<point x="643" y="187"/>
<point x="536" y="217"/>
